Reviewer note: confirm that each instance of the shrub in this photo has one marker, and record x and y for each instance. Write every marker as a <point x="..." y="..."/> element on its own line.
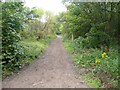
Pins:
<point x="78" y="42"/>
<point x="11" y="26"/>
<point x="96" y="39"/>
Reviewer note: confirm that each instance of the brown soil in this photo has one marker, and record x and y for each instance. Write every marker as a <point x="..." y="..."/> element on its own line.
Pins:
<point x="53" y="70"/>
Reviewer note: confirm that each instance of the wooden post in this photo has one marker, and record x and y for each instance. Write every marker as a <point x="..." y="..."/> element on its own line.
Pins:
<point x="72" y="37"/>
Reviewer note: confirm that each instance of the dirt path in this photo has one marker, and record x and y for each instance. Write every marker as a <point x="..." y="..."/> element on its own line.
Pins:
<point x="53" y="70"/>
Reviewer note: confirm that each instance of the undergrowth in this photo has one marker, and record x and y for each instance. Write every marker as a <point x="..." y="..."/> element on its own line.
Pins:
<point x="32" y="48"/>
<point x="102" y="68"/>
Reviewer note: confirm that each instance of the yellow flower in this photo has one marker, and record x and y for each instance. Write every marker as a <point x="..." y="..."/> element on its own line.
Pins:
<point x="97" y="61"/>
<point x="104" y="55"/>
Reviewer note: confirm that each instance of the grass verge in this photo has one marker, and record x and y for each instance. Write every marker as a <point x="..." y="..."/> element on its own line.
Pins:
<point x="32" y="49"/>
<point x="100" y="71"/>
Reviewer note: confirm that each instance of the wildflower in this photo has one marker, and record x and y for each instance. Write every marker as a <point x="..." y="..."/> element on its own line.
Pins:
<point x="97" y="61"/>
<point x="104" y="55"/>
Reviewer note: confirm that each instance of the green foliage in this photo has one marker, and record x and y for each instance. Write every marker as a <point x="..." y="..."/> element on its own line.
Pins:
<point x="12" y="24"/>
<point x="91" y="80"/>
<point x="93" y="21"/>
<point x="21" y="26"/>
<point x="32" y="49"/>
<point x="37" y="12"/>
<point x="79" y="42"/>
<point x="86" y="58"/>
<point x="93" y="28"/>
<point x="25" y="34"/>
<point x="96" y="39"/>
<point x="12" y="20"/>
<point x="39" y="24"/>
<point x="91" y="24"/>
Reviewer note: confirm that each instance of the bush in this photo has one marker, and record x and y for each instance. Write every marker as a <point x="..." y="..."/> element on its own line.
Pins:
<point x="25" y="34"/>
<point x="78" y="42"/>
<point x="30" y="50"/>
<point x="12" y="52"/>
<point x="96" y="39"/>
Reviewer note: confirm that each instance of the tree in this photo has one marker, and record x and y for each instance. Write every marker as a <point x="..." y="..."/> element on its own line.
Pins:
<point x="81" y="18"/>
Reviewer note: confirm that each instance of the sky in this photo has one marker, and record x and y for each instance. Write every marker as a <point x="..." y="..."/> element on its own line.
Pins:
<point x="54" y="6"/>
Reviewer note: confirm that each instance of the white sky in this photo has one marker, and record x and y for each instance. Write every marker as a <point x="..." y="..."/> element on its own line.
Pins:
<point x="52" y="5"/>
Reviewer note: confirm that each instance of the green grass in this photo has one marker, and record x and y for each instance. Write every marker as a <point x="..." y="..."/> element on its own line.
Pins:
<point x="91" y="80"/>
<point x="33" y="49"/>
<point x="106" y="71"/>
